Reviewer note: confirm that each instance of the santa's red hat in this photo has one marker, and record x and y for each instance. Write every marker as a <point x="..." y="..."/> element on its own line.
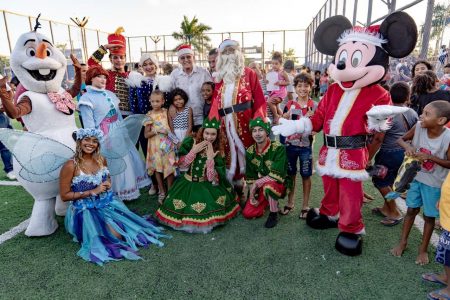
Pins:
<point x="184" y="49"/>
<point x="369" y="35"/>
<point x="118" y="39"/>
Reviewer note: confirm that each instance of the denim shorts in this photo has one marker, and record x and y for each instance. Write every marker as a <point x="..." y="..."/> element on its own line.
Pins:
<point x="443" y="249"/>
<point x="304" y="154"/>
<point x="4" y="121"/>
<point x="420" y="194"/>
<point x="391" y="159"/>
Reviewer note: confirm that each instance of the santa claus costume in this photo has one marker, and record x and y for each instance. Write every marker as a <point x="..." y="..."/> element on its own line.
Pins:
<point x="238" y="95"/>
<point x="350" y="110"/>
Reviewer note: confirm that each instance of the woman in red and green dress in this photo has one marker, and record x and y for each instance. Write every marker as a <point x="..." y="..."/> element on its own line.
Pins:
<point x="202" y="198"/>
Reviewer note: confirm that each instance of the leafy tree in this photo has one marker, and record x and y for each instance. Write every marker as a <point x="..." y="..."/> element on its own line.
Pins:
<point x="193" y="33"/>
<point x="441" y="14"/>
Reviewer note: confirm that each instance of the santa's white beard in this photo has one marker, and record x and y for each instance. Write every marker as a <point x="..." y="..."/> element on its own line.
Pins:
<point x="229" y="67"/>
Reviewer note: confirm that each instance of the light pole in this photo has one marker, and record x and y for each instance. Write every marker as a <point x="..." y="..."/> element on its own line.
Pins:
<point x="156" y="40"/>
<point x="81" y="24"/>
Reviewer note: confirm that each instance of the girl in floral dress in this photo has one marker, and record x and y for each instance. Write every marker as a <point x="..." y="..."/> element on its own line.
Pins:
<point x="160" y="155"/>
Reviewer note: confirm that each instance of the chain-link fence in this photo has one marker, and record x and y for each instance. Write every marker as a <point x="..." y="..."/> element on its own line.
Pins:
<point x="257" y="45"/>
<point x="364" y="13"/>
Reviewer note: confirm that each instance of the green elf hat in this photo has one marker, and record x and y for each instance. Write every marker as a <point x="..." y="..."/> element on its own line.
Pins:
<point x="211" y="123"/>
<point x="213" y="119"/>
<point x="260" y="119"/>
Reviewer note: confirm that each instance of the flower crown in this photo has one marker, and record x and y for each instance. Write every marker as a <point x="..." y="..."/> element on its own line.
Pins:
<point x="88" y="132"/>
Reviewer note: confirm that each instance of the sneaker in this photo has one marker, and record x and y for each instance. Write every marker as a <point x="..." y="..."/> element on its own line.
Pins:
<point x="152" y="191"/>
<point x="11" y="176"/>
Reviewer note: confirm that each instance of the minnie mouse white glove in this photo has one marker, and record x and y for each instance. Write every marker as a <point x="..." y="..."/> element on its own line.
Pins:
<point x="379" y="116"/>
<point x="290" y="127"/>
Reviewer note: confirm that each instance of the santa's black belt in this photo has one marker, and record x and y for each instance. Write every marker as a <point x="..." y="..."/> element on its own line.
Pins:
<point x="346" y="142"/>
<point x="235" y="108"/>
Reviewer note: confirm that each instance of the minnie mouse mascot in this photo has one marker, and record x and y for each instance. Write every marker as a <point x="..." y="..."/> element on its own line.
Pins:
<point x="353" y="107"/>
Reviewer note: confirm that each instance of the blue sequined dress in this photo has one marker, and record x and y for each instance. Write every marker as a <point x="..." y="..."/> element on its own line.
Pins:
<point x="89" y="221"/>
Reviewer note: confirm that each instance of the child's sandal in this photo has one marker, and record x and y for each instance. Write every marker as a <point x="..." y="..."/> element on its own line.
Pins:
<point x="161" y="198"/>
<point x="303" y="213"/>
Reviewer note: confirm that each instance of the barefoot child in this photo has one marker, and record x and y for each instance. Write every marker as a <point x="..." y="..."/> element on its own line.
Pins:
<point x="391" y="154"/>
<point x="443" y="248"/>
<point x="160" y="155"/>
<point x="430" y="145"/>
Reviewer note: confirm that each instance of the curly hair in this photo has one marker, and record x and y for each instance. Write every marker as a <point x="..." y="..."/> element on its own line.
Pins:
<point x="303" y="77"/>
<point x="178" y="92"/>
<point x="424" y="83"/>
<point x="218" y="144"/>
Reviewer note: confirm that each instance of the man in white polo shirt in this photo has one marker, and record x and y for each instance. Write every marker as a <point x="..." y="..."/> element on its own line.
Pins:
<point x="190" y="78"/>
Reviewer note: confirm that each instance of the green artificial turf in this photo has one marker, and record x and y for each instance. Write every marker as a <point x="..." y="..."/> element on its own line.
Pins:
<point x="242" y="260"/>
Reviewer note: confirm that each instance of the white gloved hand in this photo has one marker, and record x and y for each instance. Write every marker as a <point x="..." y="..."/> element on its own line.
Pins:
<point x="290" y="127"/>
<point x="379" y="116"/>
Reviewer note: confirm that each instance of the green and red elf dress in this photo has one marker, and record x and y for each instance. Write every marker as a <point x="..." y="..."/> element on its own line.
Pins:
<point x="202" y="198"/>
<point x="268" y="171"/>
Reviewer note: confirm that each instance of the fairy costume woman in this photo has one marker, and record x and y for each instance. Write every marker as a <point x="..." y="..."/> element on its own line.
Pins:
<point x="106" y="229"/>
<point x="202" y="198"/>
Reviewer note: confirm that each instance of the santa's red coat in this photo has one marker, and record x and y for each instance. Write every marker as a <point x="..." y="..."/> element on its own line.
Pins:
<point x="247" y="89"/>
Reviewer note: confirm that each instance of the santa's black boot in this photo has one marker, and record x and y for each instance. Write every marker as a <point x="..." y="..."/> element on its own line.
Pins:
<point x="318" y="221"/>
<point x="272" y="220"/>
<point x="349" y="243"/>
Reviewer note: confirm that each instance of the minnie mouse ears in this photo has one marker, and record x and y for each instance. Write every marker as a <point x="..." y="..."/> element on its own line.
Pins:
<point x="328" y="32"/>
<point x="398" y="32"/>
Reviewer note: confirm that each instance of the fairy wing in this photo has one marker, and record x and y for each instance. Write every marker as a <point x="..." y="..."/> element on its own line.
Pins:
<point x="40" y="157"/>
<point x="119" y="140"/>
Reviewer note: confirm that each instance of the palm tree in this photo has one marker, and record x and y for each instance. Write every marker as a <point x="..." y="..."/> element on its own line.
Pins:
<point x="193" y="33"/>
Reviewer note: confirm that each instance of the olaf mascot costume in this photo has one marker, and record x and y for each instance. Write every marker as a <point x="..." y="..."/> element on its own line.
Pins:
<point x="352" y="108"/>
<point x="40" y="67"/>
